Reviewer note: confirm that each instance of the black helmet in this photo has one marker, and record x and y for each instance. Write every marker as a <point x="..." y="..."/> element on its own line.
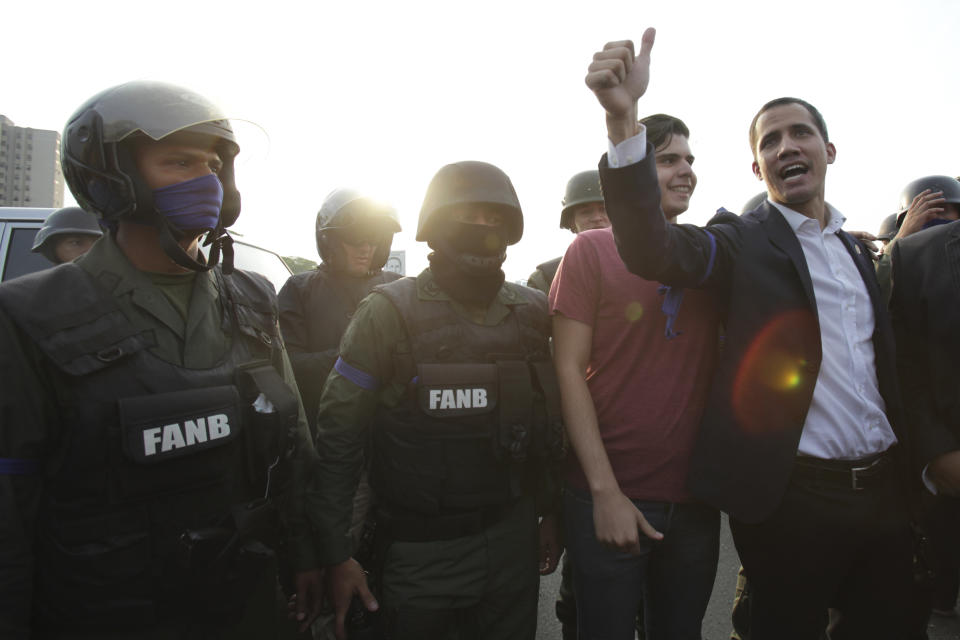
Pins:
<point x="754" y="202"/>
<point x="949" y="186"/>
<point x="69" y="220"/>
<point x="888" y="228"/>
<point x="581" y="188"/>
<point x="467" y="183"/>
<point x="101" y="171"/>
<point x="348" y="208"/>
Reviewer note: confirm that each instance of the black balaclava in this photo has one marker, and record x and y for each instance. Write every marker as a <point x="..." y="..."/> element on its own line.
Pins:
<point x="466" y="261"/>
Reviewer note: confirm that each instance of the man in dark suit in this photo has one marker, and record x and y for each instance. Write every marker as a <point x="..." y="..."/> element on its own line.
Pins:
<point x="800" y="441"/>
<point x="925" y="305"/>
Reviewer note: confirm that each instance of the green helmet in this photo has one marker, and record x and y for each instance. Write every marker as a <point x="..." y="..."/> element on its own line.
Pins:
<point x="888" y="228"/>
<point x="949" y="186"/>
<point x="581" y="188"/>
<point x="66" y="221"/>
<point x="467" y="183"/>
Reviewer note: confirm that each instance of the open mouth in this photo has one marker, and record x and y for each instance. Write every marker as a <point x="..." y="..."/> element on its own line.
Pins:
<point x="793" y="171"/>
<point x="684" y="190"/>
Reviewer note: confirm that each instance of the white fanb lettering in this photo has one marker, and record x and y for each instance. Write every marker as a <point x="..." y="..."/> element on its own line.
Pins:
<point x="458" y="398"/>
<point x="192" y="432"/>
<point x="447" y="400"/>
<point x="172" y="437"/>
<point x="218" y="426"/>
<point x="479" y="398"/>
<point x="196" y="431"/>
<point x="151" y="438"/>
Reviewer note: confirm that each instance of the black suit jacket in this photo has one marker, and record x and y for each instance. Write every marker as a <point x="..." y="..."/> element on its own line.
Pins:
<point x="925" y="304"/>
<point x="771" y="356"/>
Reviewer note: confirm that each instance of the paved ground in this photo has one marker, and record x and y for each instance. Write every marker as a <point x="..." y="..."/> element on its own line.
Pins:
<point x="716" y="624"/>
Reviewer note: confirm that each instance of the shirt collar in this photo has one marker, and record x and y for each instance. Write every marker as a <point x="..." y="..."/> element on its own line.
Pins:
<point x="795" y="219"/>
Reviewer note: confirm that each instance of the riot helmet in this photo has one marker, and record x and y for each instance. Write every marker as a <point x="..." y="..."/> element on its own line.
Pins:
<point x="66" y="221"/>
<point x="948" y="185"/>
<point x="581" y="188"/>
<point x="97" y="154"/>
<point x="888" y="228"/>
<point x="348" y="213"/>
<point x="754" y="202"/>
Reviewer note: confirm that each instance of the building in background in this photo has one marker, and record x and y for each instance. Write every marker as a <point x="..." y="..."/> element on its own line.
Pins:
<point x="30" y="174"/>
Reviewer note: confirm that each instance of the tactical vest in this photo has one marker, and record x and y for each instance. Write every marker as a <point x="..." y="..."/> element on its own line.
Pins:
<point x="153" y="505"/>
<point x="328" y="301"/>
<point x="480" y="420"/>
<point x="331" y="300"/>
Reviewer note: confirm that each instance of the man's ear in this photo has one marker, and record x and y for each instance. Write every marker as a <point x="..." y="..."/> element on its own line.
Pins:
<point x="831" y="153"/>
<point x="756" y="170"/>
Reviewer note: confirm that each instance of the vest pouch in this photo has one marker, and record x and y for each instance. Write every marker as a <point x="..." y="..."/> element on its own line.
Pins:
<point x="178" y="441"/>
<point x="272" y="412"/>
<point x="457" y="390"/>
<point x="550" y="435"/>
<point x="218" y="571"/>
<point x="516" y="409"/>
<point x="94" y="569"/>
<point x="461" y="402"/>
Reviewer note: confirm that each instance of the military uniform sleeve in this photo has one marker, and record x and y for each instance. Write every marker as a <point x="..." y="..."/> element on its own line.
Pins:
<point x="363" y="375"/>
<point x="25" y="429"/>
<point x="884" y="274"/>
<point x="299" y="538"/>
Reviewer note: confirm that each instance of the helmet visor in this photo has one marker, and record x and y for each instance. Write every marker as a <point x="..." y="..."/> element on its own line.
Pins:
<point x="157" y="110"/>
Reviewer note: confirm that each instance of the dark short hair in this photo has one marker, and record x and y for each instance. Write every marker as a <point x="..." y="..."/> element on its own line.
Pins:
<point x="779" y="102"/>
<point x="661" y="128"/>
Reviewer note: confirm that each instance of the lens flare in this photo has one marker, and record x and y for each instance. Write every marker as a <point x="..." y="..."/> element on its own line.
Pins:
<point x="776" y="375"/>
<point x="633" y="311"/>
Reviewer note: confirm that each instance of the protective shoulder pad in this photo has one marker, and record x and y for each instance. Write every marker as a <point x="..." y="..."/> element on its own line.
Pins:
<point x="419" y="316"/>
<point x="73" y="318"/>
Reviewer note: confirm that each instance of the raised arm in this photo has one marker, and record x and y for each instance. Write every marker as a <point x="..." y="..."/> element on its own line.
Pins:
<point x="619" y="79"/>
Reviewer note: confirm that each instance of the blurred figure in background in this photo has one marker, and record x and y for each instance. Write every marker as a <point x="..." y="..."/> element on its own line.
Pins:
<point x="66" y="234"/>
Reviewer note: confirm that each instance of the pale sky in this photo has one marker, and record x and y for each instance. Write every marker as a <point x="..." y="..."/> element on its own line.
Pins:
<point x="379" y="95"/>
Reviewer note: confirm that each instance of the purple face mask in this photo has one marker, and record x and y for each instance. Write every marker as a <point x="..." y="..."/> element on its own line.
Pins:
<point x="193" y="204"/>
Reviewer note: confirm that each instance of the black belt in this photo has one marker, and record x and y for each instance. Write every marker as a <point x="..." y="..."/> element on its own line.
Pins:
<point x="855" y="475"/>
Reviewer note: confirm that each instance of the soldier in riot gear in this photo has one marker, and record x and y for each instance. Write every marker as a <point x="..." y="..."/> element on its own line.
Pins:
<point x="449" y="376"/>
<point x="151" y="437"/>
<point x="66" y="234"/>
<point x="582" y="209"/>
<point x="354" y="234"/>
<point x="924" y="203"/>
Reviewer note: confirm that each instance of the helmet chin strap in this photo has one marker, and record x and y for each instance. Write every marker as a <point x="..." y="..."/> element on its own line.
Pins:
<point x="217" y="239"/>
